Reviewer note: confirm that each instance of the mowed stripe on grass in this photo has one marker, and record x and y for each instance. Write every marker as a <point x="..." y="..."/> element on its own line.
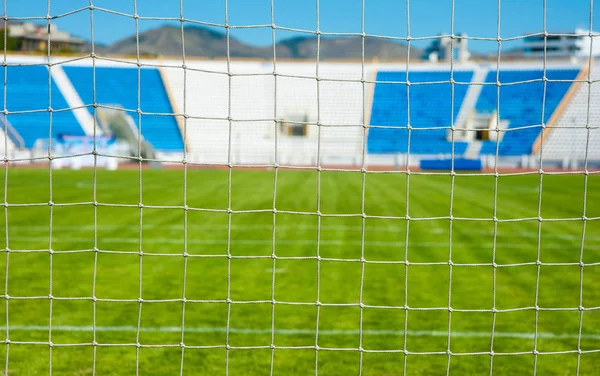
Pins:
<point x="341" y="285"/>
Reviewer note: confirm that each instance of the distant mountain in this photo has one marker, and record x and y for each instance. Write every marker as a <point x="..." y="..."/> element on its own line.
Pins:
<point x="344" y="48"/>
<point x="202" y="41"/>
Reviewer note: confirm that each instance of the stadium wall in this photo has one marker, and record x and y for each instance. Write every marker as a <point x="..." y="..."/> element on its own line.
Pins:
<point x="248" y="96"/>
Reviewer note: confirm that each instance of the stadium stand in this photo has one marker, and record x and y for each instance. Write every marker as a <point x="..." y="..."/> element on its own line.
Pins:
<point x="431" y="107"/>
<point x="339" y="102"/>
<point x="27" y="94"/>
<point x="521" y="105"/>
<point x="335" y="102"/>
<point x="118" y="86"/>
<point x="568" y="138"/>
<point x="252" y="126"/>
<point x="207" y="129"/>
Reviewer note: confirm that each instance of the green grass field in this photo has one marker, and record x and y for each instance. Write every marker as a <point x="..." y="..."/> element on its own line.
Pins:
<point x="118" y="275"/>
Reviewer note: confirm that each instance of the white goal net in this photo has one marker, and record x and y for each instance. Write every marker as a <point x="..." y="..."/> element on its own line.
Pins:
<point x="281" y="187"/>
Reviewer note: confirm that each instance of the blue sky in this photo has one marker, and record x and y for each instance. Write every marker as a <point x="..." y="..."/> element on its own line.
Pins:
<point x="384" y="17"/>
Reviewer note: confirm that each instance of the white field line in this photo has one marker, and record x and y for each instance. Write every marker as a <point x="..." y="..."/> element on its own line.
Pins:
<point x="298" y="242"/>
<point x="358" y="229"/>
<point x="329" y="332"/>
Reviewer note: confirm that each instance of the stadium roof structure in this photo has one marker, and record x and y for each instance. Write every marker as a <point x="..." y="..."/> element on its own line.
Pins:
<point x="576" y="44"/>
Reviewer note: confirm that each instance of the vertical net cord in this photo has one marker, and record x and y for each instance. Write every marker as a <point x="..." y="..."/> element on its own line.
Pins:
<point x="319" y="217"/>
<point x="407" y="169"/>
<point x="452" y="181"/>
<point x="95" y="195"/>
<point x="363" y="170"/>
<point x="275" y="174"/>
<point x="229" y="175"/>
<point x="585" y="188"/>
<point x="141" y="205"/>
<point x="495" y="202"/>
<point x="496" y="181"/>
<point x="185" y="182"/>
<point x="50" y="202"/>
<point x="7" y="249"/>
<point x="538" y="260"/>
<point x="4" y="113"/>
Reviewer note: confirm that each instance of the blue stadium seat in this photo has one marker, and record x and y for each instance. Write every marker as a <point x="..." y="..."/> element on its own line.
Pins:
<point x="521" y="104"/>
<point x="431" y="107"/>
<point x="118" y="86"/>
<point x="27" y="90"/>
<point x="458" y="164"/>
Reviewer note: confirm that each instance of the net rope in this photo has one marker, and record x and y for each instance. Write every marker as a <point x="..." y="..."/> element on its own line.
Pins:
<point x="275" y="300"/>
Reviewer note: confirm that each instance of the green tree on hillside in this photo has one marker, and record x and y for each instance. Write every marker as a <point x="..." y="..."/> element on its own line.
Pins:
<point x="12" y="44"/>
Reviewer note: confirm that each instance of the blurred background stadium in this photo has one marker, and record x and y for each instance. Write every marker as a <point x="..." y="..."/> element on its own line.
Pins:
<point x="192" y="194"/>
<point x="543" y="105"/>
